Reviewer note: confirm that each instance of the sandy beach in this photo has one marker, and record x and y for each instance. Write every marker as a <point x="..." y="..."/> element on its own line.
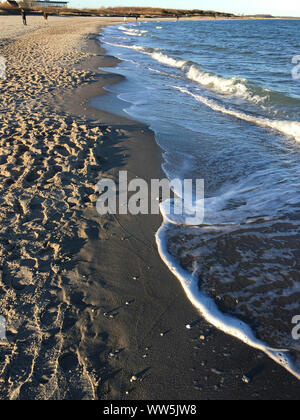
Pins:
<point x="86" y="298"/>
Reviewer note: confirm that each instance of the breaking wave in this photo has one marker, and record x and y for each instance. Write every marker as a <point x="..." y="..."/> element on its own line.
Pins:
<point x="288" y="128"/>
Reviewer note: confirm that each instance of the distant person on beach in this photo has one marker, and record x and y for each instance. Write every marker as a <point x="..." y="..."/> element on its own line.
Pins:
<point x="23" y="14"/>
<point x="45" y="17"/>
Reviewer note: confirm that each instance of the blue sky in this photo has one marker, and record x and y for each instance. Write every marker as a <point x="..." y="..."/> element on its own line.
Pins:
<point x="275" y="7"/>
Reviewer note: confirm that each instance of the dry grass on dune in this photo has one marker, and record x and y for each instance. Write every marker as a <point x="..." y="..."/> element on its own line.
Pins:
<point x="123" y="11"/>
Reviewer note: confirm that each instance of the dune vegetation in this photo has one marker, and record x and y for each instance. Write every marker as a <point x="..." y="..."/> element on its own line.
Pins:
<point x="6" y="8"/>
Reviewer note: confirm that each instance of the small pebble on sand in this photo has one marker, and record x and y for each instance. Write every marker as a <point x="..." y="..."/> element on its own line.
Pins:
<point x="216" y="371"/>
<point x="246" y="380"/>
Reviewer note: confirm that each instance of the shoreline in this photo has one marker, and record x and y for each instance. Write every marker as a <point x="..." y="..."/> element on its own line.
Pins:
<point x="132" y="166"/>
<point x="117" y="262"/>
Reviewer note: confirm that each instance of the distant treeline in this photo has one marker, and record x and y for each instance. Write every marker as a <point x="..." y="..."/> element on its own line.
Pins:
<point x="146" y="12"/>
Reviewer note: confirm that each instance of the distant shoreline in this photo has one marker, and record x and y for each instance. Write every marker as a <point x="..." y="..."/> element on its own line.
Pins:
<point x="140" y="13"/>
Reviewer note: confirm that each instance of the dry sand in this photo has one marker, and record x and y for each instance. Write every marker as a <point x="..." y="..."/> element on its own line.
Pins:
<point x="66" y="272"/>
<point x="49" y="168"/>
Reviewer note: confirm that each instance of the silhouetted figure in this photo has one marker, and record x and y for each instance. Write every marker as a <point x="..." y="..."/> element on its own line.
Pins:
<point x="46" y="17"/>
<point x="23" y="14"/>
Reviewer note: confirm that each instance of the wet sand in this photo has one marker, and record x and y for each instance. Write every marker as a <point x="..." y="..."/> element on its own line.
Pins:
<point x="85" y="297"/>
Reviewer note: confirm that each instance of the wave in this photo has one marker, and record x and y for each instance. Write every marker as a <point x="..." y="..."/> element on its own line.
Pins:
<point x="248" y="204"/>
<point x="289" y="128"/>
<point x="132" y="32"/>
<point x="234" y="86"/>
<point x="256" y="209"/>
<point x="169" y="61"/>
<point x="209" y="310"/>
<point x="130" y="47"/>
<point x="243" y="209"/>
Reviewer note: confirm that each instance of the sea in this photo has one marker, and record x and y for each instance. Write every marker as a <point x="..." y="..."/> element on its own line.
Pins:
<point x="223" y="99"/>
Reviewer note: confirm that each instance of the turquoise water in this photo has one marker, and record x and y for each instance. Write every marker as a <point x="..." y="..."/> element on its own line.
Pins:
<point x="224" y="107"/>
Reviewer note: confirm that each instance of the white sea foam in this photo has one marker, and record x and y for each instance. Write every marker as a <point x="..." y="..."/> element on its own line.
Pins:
<point x="132" y="31"/>
<point x="222" y="216"/>
<point x="231" y="86"/>
<point x="289" y="128"/>
<point x="209" y="310"/>
<point x="130" y="47"/>
<point x="169" y="61"/>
